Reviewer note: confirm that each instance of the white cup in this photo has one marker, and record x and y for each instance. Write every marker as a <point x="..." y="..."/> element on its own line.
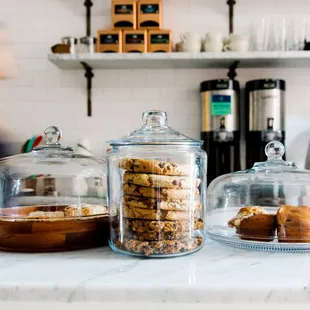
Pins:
<point x="191" y="47"/>
<point x="237" y="43"/>
<point x="191" y="42"/>
<point x="213" y="42"/>
<point x="191" y="38"/>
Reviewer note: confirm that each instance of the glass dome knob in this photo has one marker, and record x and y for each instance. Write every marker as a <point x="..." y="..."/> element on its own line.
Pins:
<point x="274" y="150"/>
<point x="52" y="135"/>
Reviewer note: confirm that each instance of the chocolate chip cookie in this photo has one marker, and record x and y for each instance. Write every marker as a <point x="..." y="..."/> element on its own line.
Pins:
<point x="152" y="214"/>
<point x="155" y="167"/>
<point x="160" y="193"/>
<point x="160" y="247"/>
<point x="164" y="181"/>
<point x="141" y="226"/>
<point x="157" y="236"/>
<point x="161" y="204"/>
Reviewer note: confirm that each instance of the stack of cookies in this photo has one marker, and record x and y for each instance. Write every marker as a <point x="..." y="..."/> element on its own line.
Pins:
<point x="160" y="211"/>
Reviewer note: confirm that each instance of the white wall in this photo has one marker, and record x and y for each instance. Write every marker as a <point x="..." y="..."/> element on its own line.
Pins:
<point x="43" y="95"/>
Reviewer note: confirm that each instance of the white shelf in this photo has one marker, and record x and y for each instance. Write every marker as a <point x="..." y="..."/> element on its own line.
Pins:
<point x="295" y="59"/>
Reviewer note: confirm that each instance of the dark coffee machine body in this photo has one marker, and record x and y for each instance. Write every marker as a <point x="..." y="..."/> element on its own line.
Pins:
<point x="265" y="108"/>
<point x="220" y="126"/>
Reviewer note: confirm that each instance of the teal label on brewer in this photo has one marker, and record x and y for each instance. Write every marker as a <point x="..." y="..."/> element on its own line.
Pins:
<point x="220" y="105"/>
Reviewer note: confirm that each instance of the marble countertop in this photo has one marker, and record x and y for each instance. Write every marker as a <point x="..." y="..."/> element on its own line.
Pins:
<point x="215" y="274"/>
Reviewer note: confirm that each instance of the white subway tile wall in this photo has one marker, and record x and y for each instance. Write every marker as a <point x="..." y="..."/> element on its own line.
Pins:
<point x="44" y="95"/>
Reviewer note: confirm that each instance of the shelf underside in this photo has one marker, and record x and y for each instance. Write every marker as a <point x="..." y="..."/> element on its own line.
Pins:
<point x="296" y="59"/>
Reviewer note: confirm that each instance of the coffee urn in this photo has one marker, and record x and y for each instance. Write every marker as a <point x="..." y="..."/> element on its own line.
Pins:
<point x="265" y="107"/>
<point x="220" y="126"/>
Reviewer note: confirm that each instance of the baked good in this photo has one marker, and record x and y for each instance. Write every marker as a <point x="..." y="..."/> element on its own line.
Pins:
<point x="160" y="193"/>
<point x="37" y="215"/>
<point x="243" y="213"/>
<point x="254" y="223"/>
<point x="159" y="247"/>
<point x="157" y="213"/>
<point x="84" y="210"/>
<point x="88" y="209"/>
<point x="142" y="226"/>
<point x="46" y="215"/>
<point x="162" y="204"/>
<point x="154" y="180"/>
<point x="157" y="236"/>
<point x="153" y="214"/>
<point x="154" y="166"/>
<point x="293" y="224"/>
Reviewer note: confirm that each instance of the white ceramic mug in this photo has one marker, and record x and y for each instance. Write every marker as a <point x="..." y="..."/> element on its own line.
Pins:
<point x="190" y="38"/>
<point x="191" y="42"/>
<point x="213" y="42"/>
<point x="237" y="43"/>
<point x="191" y="47"/>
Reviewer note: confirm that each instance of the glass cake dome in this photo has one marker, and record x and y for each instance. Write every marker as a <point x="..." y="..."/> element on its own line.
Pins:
<point x="52" y="198"/>
<point x="264" y="208"/>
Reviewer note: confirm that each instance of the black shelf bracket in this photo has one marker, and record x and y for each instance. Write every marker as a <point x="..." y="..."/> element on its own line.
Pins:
<point x="88" y="4"/>
<point x="89" y="75"/>
<point x="88" y="70"/>
<point x="232" y="70"/>
<point x="231" y="4"/>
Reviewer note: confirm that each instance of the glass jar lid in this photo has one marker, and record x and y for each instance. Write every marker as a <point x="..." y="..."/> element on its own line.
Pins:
<point x="273" y="172"/>
<point x="274" y="151"/>
<point x="53" y="159"/>
<point x="155" y="131"/>
<point x="52" y="137"/>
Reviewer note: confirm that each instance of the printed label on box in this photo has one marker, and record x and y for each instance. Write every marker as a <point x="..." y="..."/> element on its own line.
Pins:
<point x="123" y="9"/>
<point x="149" y="8"/>
<point x="160" y="38"/>
<point x="109" y="39"/>
<point x="134" y="39"/>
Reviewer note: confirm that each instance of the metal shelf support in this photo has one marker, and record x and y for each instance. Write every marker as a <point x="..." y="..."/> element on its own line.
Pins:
<point x="231" y="4"/>
<point x="89" y="75"/>
<point x="88" y="4"/>
<point x="232" y="69"/>
<point x="88" y="70"/>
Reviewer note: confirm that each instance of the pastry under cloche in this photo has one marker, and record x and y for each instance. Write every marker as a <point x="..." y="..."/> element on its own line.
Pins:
<point x="265" y="208"/>
<point x="52" y="199"/>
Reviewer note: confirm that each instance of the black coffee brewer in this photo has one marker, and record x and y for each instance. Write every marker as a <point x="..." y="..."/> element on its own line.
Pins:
<point x="220" y="126"/>
<point x="265" y="110"/>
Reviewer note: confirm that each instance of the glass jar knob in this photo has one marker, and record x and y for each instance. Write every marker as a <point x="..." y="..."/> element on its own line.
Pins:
<point x="154" y="118"/>
<point x="52" y="135"/>
<point x="274" y="150"/>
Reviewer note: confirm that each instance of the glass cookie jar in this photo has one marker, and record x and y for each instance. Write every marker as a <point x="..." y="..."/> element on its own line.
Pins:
<point x="156" y="190"/>
<point x="52" y="199"/>
<point x="265" y="208"/>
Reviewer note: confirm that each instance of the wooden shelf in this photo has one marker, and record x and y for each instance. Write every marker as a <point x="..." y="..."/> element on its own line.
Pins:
<point x="295" y="59"/>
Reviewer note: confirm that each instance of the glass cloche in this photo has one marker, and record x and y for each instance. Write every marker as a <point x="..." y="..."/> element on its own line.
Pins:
<point x="156" y="190"/>
<point x="264" y="208"/>
<point x="52" y="199"/>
